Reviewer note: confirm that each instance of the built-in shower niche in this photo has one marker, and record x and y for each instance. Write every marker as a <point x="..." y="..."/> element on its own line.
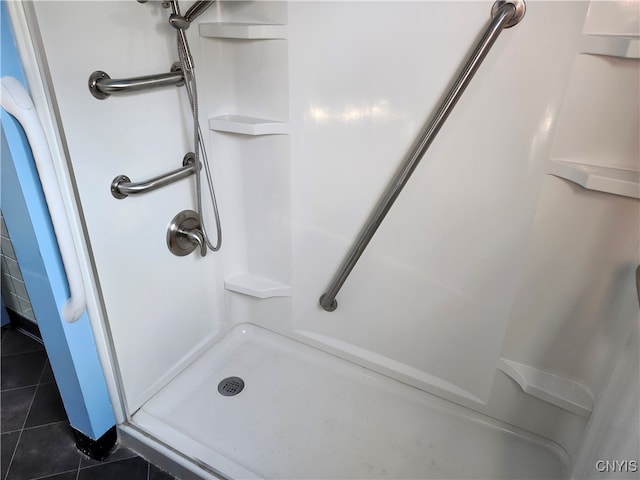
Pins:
<point x="246" y="70"/>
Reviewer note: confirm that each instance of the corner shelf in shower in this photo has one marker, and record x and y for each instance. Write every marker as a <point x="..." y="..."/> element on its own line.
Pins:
<point x="558" y="391"/>
<point x="248" y="125"/>
<point x="602" y="179"/>
<point x="255" y="286"/>
<point x="243" y="31"/>
<point x="611" y="46"/>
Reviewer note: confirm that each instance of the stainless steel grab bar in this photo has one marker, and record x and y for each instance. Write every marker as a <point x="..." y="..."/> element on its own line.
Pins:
<point x="122" y="187"/>
<point x="102" y="85"/>
<point x="504" y="14"/>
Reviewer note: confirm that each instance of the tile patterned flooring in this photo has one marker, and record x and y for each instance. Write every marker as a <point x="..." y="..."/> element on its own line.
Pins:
<point x="36" y="440"/>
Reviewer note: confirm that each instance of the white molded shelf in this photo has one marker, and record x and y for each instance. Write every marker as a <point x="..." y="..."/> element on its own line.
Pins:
<point x="248" y="125"/>
<point x="256" y="286"/>
<point x="553" y="389"/>
<point x="243" y="31"/>
<point x="602" y="179"/>
<point x="611" y="45"/>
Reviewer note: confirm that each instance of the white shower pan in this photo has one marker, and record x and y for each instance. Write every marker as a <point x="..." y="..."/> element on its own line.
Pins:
<point x="306" y="414"/>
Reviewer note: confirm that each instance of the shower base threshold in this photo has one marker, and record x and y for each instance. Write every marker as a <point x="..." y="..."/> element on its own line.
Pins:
<point x="305" y="414"/>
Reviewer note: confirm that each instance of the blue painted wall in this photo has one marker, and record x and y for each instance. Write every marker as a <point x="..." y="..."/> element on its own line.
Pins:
<point x="70" y="347"/>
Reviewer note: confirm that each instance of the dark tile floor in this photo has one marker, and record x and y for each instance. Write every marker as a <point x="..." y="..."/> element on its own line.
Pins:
<point x="36" y="440"/>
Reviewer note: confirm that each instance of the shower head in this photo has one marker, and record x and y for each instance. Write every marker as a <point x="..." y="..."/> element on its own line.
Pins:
<point x="183" y="21"/>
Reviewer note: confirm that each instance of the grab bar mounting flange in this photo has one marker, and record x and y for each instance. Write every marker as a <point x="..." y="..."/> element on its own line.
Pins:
<point x="115" y="186"/>
<point x="93" y="84"/>
<point x="518" y="15"/>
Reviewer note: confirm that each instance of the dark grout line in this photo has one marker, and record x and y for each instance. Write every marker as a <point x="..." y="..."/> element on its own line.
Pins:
<point x="29" y="410"/>
<point x="18" y="388"/>
<point x="20" y="353"/>
<point x="49" y="476"/>
<point x="13" y="455"/>
<point x="24" y="428"/>
<point x="44" y="367"/>
<point x="37" y="385"/>
<point x="43" y="425"/>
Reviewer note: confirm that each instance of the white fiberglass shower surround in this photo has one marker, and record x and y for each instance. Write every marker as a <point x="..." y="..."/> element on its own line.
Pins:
<point x="490" y="329"/>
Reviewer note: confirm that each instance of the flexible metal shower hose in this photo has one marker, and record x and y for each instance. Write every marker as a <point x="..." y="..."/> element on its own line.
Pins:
<point x="186" y="61"/>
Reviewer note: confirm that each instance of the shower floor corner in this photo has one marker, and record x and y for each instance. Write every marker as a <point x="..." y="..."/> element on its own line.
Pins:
<point x="306" y="414"/>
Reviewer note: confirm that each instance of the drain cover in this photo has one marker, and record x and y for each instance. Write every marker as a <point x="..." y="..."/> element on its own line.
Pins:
<point x="230" y="386"/>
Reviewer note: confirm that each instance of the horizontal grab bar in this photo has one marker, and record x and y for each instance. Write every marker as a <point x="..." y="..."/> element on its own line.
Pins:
<point x="102" y="85"/>
<point x="505" y="14"/>
<point x="122" y="186"/>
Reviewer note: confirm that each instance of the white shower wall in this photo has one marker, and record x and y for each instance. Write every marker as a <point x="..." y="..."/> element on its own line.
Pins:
<point x="439" y="277"/>
<point x="337" y="91"/>
<point x="161" y="308"/>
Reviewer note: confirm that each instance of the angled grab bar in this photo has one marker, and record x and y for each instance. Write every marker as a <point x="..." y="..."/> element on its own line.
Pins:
<point x="504" y="14"/>
<point x="16" y="101"/>
<point x="122" y="186"/>
<point x="102" y="85"/>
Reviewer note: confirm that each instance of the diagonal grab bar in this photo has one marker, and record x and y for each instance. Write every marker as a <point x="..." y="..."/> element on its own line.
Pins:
<point x="122" y="186"/>
<point x="504" y="14"/>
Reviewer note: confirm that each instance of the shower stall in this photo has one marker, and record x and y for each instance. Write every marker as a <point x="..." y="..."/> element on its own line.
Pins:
<point x="490" y="327"/>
